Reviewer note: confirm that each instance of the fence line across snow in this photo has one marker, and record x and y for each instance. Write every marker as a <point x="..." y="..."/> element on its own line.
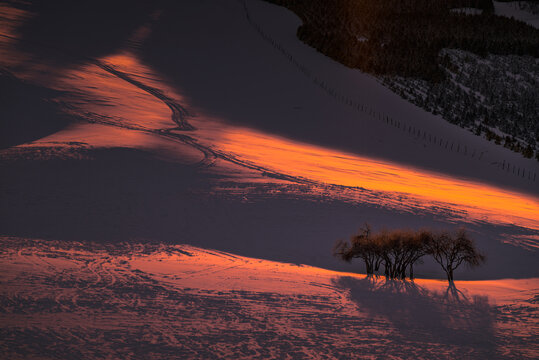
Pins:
<point x="407" y="129"/>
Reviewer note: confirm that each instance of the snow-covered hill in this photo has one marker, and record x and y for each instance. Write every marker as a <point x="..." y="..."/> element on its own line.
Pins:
<point x="71" y="300"/>
<point x="525" y="11"/>
<point x="212" y="125"/>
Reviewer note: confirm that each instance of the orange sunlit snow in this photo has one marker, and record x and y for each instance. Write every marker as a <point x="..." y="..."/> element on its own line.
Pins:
<point x="482" y="202"/>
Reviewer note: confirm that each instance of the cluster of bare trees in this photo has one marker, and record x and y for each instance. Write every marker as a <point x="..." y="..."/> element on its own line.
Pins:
<point x="397" y="251"/>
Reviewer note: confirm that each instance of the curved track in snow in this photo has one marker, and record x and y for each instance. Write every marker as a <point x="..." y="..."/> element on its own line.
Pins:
<point x="179" y="115"/>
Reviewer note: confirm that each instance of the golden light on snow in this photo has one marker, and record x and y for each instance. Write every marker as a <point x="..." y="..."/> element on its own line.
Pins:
<point x="187" y="297"/>
<point x="480" y="201"/>
<point x="128" y="115"/>
<point x="128" y="108"/>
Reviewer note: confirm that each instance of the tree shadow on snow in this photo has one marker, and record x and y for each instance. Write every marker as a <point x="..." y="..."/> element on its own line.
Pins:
<point x="429" y="319"/>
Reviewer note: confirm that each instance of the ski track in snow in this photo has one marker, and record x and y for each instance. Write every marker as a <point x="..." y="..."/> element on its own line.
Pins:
<point x="179" y="115"/>
<point x="211" y="153"/>
<point x="69" y="300"/>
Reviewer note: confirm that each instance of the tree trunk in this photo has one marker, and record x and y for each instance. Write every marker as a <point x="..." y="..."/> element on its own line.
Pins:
<point x="449" y="273"/>
<point x="367" y="265"/>
<point x="411" y="271"/>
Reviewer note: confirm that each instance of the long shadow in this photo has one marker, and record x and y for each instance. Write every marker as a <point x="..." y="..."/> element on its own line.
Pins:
<point x="118" y="195"/>
<point x="429" y="320"/>
<point x="81" y="29"/>
<point x="26" y="111"/>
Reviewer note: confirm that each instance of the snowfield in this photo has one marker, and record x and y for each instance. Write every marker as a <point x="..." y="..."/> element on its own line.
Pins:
<point x="512" y="9"/>
<point x="69" y="300"/>
<point x="212" y="126"/>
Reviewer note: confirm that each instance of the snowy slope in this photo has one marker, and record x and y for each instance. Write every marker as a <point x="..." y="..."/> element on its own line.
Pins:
<point x="372" y="136"/>
<point x="270" y="137"/>
<point x="512" y="9"/>
<point x="156" y="301"/>
<point x="213" y="126"/>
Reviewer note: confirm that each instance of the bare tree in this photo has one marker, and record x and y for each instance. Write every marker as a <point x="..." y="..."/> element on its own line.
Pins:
<point x="417" y="248"/>
<point x="400" y="249"/>
<point x="396" y="250"/>
<point x="450" y="251"/>
<point x="360" y="246"/>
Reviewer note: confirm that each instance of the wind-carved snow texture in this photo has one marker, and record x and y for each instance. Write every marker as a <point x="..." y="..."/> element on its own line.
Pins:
<point x="119" y="110"/>
<point x="73" y="300"/>
<point x="139" y="84"/>
<point x="145" y="104"/>
<point x="63" y="299"/>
